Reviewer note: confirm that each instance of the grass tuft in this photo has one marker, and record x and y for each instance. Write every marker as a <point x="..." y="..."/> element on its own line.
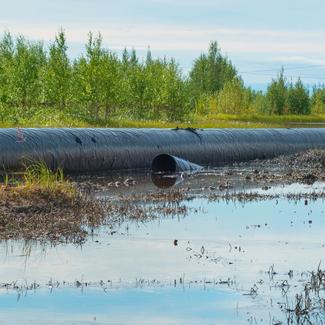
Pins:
<point x="38" y="175"/>
<point x="44" y="206"/>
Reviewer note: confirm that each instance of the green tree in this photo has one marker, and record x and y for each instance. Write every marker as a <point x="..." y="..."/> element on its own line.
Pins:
<point x="133" y="85"/>
<point x="165" y="94"/>
<point x="57" y="77"/>
<point x="211" y="71"/>
<point x="149" y="59"/>
<point x="233" y="98"/>
<point x="163" y="90"/>
<point x="6" y="67"/>
<point x="28" y="62"/>
<point x="89" y="77"/>
<point x="260" y="103"/>
<point x="277" y="94"/>
<point x="111" y="83"/>
<point x="318" y="100"/>
<point x="133" y="58"/>
<point x="177" y="97"/>
<point x="298" y="98"/>
<point x="125" y="57"/>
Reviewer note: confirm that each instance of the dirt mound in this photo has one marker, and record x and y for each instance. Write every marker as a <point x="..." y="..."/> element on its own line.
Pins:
<point x="307" y="160"/>
<point x="311" y="159"/>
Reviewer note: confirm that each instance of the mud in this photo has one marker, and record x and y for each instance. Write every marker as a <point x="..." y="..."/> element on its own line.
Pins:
<point x="46" y="215"/>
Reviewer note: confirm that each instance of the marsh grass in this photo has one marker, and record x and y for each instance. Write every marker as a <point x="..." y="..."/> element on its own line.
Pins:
<point x="38" y="175"/>
<point x="43" y="206"/>
<point x="308" y="305"/>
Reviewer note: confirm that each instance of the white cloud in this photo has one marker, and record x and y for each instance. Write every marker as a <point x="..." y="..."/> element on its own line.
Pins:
<point x="247" y="46"/>
<point x="179" y="37"/>
<point x="299" y="59"/>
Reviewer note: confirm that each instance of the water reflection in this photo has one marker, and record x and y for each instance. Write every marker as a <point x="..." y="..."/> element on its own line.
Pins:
<point x="217" y="242"/>
<point x="127" y="306"/>
<point x="165" y="181"/>
<point x="232" y="235"/>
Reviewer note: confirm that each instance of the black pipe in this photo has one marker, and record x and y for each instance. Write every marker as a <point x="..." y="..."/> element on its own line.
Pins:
<point x="77" y="150"/>
<point x="169" y="164"/>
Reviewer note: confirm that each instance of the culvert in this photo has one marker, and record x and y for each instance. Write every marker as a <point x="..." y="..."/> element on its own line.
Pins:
<point x="82" y="150"/>
<point x="170" y="164"/>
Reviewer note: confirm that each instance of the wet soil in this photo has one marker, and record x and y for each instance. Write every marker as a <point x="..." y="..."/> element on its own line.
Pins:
<point x="42" y="214"/>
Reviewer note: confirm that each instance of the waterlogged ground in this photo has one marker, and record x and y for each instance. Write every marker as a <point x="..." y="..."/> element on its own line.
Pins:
<point x="215" y="261"/>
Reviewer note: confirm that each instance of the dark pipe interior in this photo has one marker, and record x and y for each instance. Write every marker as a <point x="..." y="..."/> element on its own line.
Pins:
<point x="163" y="163"/>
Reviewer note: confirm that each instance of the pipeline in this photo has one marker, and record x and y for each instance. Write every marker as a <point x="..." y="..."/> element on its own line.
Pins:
<point x="82" y="150"/>
<point x="167" y="170"/>
<point x="170" y="164"/>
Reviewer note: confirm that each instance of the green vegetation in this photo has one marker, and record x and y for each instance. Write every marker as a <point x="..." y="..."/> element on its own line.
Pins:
<point x="41" y="86"/>
<point x="38" y="177"/>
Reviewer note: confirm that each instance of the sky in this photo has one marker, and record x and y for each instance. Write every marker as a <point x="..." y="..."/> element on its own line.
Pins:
<point x="258" y="36"/>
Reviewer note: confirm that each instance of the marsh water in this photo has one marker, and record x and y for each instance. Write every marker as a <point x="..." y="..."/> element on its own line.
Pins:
<point x="218" y="262"/>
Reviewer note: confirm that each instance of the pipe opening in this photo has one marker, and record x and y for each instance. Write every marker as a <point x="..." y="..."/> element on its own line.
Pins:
<point x="164" y="163"/>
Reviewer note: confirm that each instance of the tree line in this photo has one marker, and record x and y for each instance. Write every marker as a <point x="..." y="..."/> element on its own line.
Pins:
<point x="99" y="84"/>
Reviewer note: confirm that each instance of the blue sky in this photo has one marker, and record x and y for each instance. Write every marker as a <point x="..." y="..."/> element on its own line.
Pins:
<point x="258" y="36"/>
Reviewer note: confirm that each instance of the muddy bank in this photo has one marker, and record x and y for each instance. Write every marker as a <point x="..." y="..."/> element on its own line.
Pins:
<point x="62" y="217"/>
<point x="310" y="159"/>
<point x="306" y="167"/>
<point x="43" y="214"/>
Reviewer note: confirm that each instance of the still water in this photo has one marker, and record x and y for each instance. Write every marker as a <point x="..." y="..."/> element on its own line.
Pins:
<point x="222" y="262"/>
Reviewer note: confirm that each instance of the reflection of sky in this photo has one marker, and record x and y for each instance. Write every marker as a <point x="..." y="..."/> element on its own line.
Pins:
<point x="269" y="220"/>
<point x="269" y="232"/>
<point x="146" y="250"/>
<point x="135" y="306"/>
<point x="259" y="36"/>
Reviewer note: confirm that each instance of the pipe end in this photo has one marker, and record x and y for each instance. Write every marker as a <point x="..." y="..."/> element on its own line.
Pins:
<point x="164" y="163"/>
